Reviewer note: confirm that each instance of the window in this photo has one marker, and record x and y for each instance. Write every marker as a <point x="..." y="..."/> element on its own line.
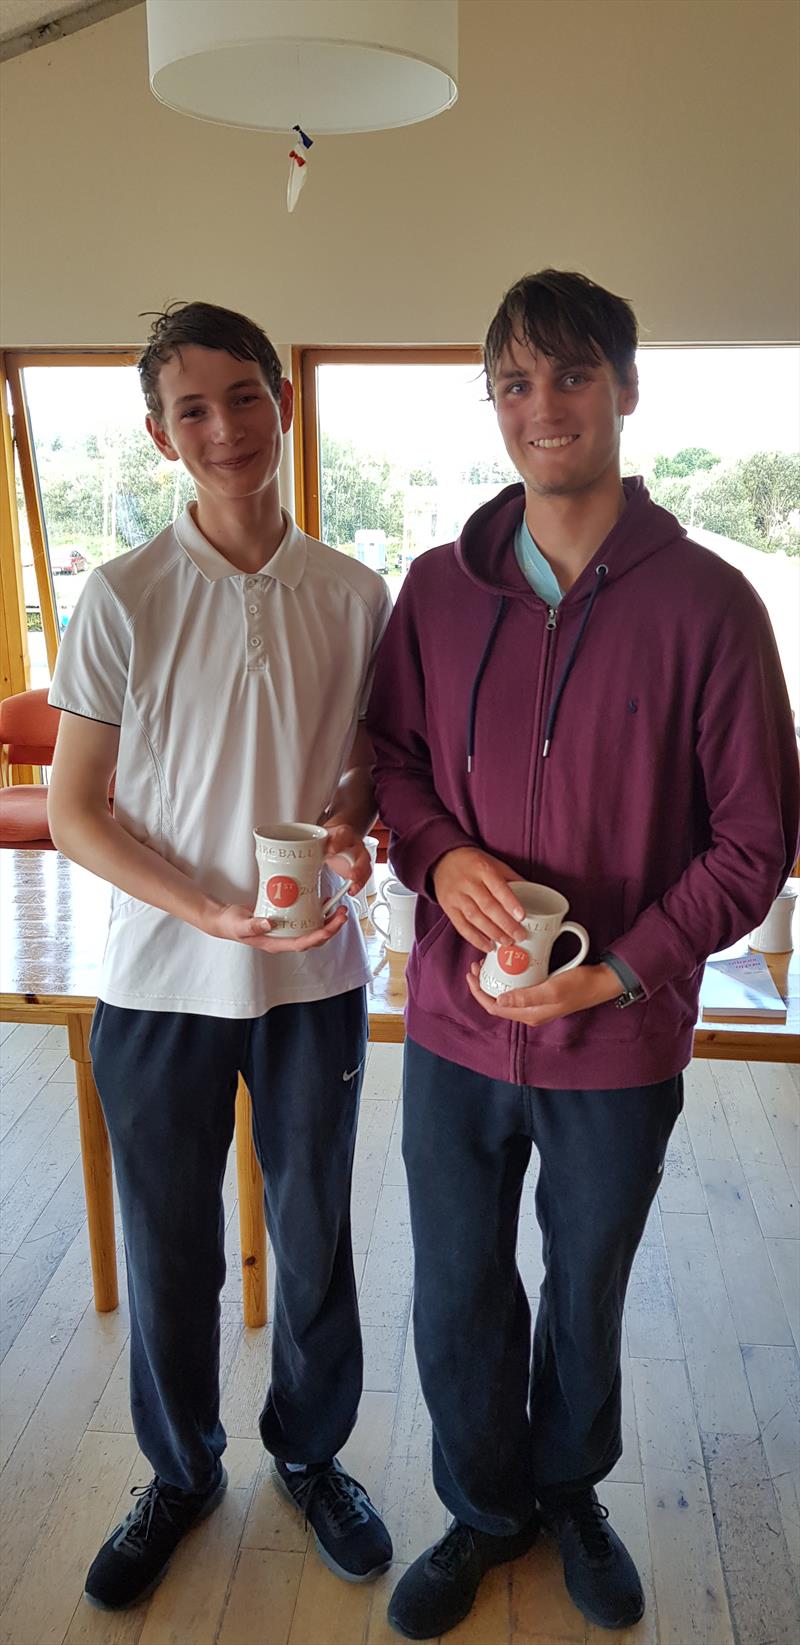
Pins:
<point x="401" y="447"/>
<point x="101" y="484"/>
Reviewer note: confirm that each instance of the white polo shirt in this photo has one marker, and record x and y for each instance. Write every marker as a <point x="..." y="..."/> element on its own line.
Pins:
<point x="237" y="698"/>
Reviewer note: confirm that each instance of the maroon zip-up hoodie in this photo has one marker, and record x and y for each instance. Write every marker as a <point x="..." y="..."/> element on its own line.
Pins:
<point x="665" y="808"/>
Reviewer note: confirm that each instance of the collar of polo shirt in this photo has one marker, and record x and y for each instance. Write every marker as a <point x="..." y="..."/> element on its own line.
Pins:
<point x="286" y="566"/>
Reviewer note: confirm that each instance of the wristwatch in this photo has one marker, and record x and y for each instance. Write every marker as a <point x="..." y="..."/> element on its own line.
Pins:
<point x="634" y="991"/>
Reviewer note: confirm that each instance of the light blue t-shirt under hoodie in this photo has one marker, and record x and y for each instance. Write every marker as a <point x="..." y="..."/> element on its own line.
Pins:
<point x="534" y="567"/>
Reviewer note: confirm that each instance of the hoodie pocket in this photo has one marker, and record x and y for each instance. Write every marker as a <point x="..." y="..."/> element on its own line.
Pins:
<point x="437" y="979"/>
<point x="601" y="905"/>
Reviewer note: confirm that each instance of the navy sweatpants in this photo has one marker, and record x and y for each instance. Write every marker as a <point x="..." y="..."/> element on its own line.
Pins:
<point x="167" y="1084"/>
<point x="511" y="1425"/>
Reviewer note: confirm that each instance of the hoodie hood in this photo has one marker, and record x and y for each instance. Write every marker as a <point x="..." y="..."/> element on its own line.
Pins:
<point x="485" y="552"/>
<point x="485" y="548"/>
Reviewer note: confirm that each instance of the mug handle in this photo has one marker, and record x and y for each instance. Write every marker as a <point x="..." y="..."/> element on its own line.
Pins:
<point x="578" y="931"/>
<point x="380" y="902"/>
<point x="338" y="896"/>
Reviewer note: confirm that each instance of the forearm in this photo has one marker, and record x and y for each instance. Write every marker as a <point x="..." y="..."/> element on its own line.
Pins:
<point x="353" y="804"/>
<point x="425" y="830"/>
<point x="98" y="842"/>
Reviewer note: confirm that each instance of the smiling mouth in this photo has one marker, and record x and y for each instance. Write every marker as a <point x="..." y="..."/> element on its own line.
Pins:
<point x="235" y="462"/>
<point x="555" y="444"/>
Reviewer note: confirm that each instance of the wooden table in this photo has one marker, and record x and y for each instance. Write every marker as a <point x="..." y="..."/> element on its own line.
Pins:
<point x="54" y="920"/>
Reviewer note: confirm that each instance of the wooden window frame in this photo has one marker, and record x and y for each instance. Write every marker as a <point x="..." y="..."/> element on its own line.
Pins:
<point x="305" y="360"/>
<point x="14" y="362"/>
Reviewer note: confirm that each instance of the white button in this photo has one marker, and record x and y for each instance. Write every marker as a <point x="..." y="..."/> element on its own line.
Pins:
<point x="255" y="640"/>
<point x="249" y="582"/>
<point x="253" y="609"/>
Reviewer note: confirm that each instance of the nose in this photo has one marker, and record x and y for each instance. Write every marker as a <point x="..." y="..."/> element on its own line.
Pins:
<point x="545" y="403"/>
<point x="224" y="427"/>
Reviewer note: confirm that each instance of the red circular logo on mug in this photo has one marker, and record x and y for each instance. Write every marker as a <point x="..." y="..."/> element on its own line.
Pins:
<point x="282" y="891"/>
<point x="513" y="960"/>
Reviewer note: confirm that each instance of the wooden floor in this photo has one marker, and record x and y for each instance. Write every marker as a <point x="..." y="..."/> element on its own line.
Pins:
<point x="706" y="1494"/>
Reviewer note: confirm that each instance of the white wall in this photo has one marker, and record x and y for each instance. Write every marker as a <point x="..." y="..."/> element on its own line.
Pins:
<point x="652" y="143"/>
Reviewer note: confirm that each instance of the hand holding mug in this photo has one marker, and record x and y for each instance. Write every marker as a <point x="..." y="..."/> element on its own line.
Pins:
<point x="560" y="995"/>
<point x="347" y="853"/>
<point x="472" y="888"/>
<point x="238" y="924"/>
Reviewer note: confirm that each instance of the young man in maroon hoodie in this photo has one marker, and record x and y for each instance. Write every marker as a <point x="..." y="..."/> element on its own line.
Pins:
<point x="576" y="694"/>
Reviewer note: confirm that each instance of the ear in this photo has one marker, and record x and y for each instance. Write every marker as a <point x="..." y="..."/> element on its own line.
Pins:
<point x="629" y="393"/>
<point x="286" y="405"/>
<point x="160" y="438"/>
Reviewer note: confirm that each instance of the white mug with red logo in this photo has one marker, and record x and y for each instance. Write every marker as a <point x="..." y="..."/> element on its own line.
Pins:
<point x="290" y="858"/>
<point x="525" y="962"/>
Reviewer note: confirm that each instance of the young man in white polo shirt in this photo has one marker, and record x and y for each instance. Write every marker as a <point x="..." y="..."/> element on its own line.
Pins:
<point x="221" y="671"/>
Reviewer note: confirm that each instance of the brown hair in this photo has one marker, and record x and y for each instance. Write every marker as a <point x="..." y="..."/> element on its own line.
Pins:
<point x="208" y="326"/>
<point x="567" y="317"/>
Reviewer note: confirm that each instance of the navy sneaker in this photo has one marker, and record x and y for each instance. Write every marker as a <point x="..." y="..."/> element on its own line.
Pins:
<point x="601" y="1577"/>
<point x="351" y="1537"/>
<point x="135" y="1557"/>
<point x="439" y="1589"/>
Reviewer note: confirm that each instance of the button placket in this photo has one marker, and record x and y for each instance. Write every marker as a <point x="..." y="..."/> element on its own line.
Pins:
<point x="254" y="639"/>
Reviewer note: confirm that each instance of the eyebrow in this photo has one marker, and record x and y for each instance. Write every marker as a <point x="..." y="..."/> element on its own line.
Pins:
<point x="520" y="373"/>
<point x="243" y="382"/>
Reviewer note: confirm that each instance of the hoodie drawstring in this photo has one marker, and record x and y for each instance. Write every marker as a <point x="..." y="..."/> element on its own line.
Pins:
<point x="601" y="574"/>
<point x="473" y="698"/>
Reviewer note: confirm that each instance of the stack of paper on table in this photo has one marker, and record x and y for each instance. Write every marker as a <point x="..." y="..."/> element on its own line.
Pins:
<point x="740" y="990"/>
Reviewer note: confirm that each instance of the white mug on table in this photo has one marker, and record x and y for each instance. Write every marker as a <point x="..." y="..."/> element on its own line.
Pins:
<point x="363" y="897"/>
<point x="774" y="934"/>
<point x="400" y="906"/>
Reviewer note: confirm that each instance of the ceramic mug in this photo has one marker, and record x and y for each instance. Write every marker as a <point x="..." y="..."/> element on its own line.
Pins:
<point x="525" y="962"/>
<point x="365" y="896"/>
<point x="400" y="905"/>
<point x="774" y="935"/>
<point x="290" y="858"/>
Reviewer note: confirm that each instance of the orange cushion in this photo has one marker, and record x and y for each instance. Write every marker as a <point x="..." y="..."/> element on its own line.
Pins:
<point x="23" y="815"/>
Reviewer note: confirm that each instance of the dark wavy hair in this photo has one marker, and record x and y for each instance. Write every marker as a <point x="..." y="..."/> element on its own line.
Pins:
<point x="567" y="317"/>
<point x="209" y="326"/>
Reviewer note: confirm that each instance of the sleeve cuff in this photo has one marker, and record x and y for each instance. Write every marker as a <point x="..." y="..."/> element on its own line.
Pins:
<point x="630" y="982"/>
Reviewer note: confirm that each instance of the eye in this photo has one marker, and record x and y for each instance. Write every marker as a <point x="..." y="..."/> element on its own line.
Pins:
<point x="192" y="414"/>
<point x="515" y="389"/>
<point x="245" y="399"/>
<point x="574" y="379"/>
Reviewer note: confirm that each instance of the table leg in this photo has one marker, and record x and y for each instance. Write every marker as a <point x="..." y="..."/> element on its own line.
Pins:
<point x="96" y="1162"/>
<point x="252" y="1227"/>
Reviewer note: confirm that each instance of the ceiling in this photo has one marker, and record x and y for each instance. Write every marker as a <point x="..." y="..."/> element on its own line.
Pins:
<point x="21" y="19"/>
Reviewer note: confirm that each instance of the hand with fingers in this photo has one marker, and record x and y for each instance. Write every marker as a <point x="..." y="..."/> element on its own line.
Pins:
<point x="348" y="855"/>
<point x="472" y="889"/>
<point x="241" y="925"/>
<point x="558" y="996"/>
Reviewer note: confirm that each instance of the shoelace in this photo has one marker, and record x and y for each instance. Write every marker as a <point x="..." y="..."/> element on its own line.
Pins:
<point x="135" y="1529"/>
<point x="453" y="1549"/>
<point x="344" y="1498"/>
<point x="589" y="1517"/>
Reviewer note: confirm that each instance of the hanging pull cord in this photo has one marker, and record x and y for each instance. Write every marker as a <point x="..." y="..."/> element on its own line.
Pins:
<point x="601" y="574"/>
<point x="476" y="684"/>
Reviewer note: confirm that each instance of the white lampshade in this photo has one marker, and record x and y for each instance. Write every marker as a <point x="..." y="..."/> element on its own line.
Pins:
<point x="327" y="65"/>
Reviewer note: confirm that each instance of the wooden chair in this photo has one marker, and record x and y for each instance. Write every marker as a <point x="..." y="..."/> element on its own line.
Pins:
<point x="28" y="730"/>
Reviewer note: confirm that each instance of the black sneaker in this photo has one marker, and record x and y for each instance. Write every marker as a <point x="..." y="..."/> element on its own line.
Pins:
<point x="601" y="1577"/>
<point x="350" y="1535"/>
<point x="135" y="1557"/>
<point x="439" y="1589"/>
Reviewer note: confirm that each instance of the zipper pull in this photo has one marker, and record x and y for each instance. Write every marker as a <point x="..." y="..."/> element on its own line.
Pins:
<point x="552" y="617"/>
